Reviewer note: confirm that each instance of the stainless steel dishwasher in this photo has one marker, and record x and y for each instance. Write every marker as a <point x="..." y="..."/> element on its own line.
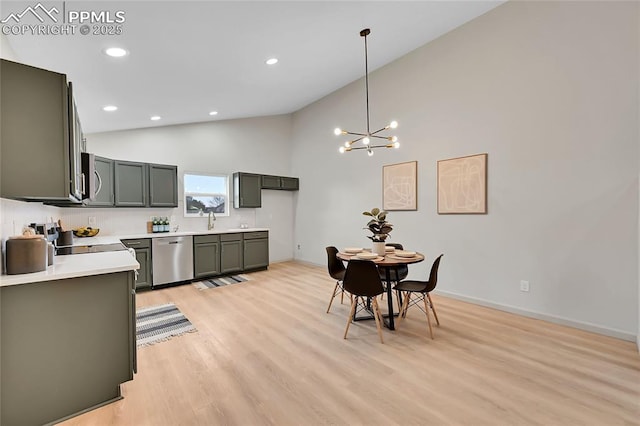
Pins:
<point x="172" y="259"/>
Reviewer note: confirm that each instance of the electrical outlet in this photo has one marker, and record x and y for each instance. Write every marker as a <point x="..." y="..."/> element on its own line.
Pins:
<point x="524" y="285"/>
<point x="92" y="221"/>
<point x="298" y="246"/>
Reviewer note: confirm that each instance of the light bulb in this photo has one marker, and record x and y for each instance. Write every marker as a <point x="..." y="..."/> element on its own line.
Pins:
<point x="341" y="150"/>
<point x="370" y="153"/>
<point x="396" y="145"/>
<point x="393" y="124"/>
<point x="337" y="131"/>
<point x="347" y="144"/>
<point x="366" y="141"/>
<point x="394" y="138"/>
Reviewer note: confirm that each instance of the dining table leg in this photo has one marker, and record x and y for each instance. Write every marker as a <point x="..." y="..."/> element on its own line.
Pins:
<point x="390" y="322"/>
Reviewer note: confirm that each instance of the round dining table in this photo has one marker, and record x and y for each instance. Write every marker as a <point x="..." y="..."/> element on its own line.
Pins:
<point x="387" y="262"/>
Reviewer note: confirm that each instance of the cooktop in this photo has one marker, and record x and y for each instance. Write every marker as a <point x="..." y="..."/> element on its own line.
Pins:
<point x="90" y="249"/>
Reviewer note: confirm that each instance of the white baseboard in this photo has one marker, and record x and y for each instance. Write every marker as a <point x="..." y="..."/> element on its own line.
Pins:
<point x="618" y="334"/>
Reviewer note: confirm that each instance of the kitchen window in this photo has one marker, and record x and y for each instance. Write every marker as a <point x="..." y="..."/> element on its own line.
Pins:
<point x="205" y="193"/>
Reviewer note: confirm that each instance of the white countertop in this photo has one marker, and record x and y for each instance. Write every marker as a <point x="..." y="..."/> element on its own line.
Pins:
<point x="180" y="233"/>
<point x="77" y="265"/>
<point x="80" y="265"/>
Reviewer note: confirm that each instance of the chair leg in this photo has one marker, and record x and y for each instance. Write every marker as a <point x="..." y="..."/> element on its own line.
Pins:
<point x="405" y="306"/>
<point x="399" y="300"/>
<point x="426" y="311"/>
<point x="333" y="294"/>
<point x="433" y="308"/>
<point x="354" y="302"/>
<point x="341" y="295"/>
<point x="376" y="314"/>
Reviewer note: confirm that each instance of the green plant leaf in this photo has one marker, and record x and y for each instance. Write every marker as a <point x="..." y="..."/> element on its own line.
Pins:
<point x="367" y="214"/>
<point x="375" y="211"/>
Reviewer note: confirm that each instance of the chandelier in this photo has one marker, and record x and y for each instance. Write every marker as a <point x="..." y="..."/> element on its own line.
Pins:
<point x="369" y="140"/>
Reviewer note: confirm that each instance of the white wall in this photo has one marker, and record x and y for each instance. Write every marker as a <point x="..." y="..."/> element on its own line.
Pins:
<point x="260" y="145"/>
<point x="550" y="91"/>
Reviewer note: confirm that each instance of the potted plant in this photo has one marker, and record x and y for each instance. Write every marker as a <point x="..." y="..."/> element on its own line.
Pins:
<point x="380" y="229"/>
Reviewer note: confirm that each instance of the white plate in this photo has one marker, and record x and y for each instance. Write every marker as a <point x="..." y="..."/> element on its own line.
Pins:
<point x="367" y="256"/>
<point x="353" y="250"/>
<point x="403" y="253"/>
<point x="389" y="249"/>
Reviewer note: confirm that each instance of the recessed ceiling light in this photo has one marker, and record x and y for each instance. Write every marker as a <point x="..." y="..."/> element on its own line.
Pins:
<point x="272" y="61"/>
<point x="116" y="52"/>
<point x="110" y="108"/>
<point x="213" y="113"/>
<point x="156" y="117"/>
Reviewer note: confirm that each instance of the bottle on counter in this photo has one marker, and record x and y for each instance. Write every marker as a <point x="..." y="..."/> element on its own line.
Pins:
<point x="155" y="224"/>
<point x="165" y="225"/>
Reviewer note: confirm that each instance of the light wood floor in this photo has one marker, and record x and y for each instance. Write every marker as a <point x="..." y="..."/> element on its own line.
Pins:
<point x="266" y="353"/>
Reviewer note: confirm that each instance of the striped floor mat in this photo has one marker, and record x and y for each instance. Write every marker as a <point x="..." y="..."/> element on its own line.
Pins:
<point x="158" y="323"/>
<point x="219" y="282"/>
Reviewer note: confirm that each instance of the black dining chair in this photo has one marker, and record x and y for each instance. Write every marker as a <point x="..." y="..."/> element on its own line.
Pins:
<point x="363" y="281"/>
<point x="336" y="271"/>
<point x="421" y="290"/>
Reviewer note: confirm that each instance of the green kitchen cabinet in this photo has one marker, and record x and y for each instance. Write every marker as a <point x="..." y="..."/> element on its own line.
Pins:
<point x="247" y="189"/>
<point x="231" y="253"/>
<point x="105" y="181"/>
<point x="41" y="136"/>
<point x="163" y="185"/>
<point x="142" y="247"/>
<point x="206" y="255"/>
<point x="270" y="182"/>
<point x="256" y="250"/>
<point x="67" y="346"/>
<point x="289" y="183"/>
<point x="280" y="182"/>
<point x="131" y="188"/>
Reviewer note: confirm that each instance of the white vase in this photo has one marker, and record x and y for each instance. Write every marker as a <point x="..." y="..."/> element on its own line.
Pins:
<point x="378" y="248"/>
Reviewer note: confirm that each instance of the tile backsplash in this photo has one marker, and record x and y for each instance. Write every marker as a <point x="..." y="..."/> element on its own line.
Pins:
<point x="111" y="221"/>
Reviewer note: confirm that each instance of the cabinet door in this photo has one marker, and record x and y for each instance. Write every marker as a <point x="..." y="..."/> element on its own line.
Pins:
<point x="206" y="259"/>
<point x="247" y="189"/>
<point x="131" y="187"/>
<point x="270" y="182"/>
<point x="230" y="256"/>
<point x="104" y="169"/>
<point x="163" y="186"/>
<point x="256" y="253"/>
<point x="289" y="183"/>
<point x="36" y="140"/>
<point x="143" y="256"/>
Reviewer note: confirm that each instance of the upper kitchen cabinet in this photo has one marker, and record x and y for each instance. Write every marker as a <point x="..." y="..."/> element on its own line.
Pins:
<point x="280" y="182"/>
<point x="41" y="136"/>
<point x="163" y="185"/>
<point x="131" y="187"/>
<point x="246" y="190"/>
<point x="105" y="191"/>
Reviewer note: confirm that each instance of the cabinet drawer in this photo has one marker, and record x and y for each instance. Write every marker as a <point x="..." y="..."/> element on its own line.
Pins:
<point x="230" y="237"/>
<point x="255" y="235"/>
<point x="270" y="182"/>
<point x="200" y="239"/>
<point x="139" y="243"/>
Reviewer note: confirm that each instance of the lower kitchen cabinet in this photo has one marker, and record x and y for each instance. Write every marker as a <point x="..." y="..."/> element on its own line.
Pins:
<point x="206" y="255"/>
<point x="256" y="250"/>
<point x="231" y="253"/>
<point x="143" y="256"/>
<point x="67" y="346"/>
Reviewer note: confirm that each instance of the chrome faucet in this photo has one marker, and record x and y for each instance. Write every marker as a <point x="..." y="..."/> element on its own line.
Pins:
<point x="212" y="218"/>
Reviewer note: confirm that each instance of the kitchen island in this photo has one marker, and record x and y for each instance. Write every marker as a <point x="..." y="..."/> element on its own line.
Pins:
<point x="68" y="337"/>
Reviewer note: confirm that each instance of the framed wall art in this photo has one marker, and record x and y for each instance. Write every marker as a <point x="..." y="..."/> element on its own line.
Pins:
<point x="400" y="186"/>
<point x="462" y="185"/>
